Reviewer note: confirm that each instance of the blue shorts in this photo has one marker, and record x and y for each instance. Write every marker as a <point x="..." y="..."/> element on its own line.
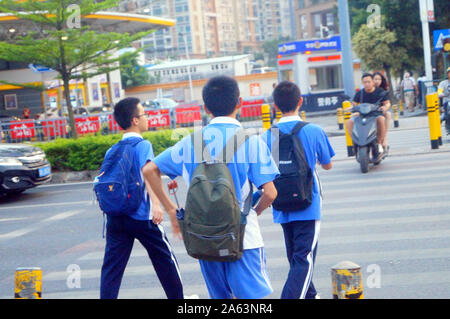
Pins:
<point x="245" y="278"/>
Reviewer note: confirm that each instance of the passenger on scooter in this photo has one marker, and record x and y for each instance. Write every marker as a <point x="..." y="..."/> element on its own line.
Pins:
<point x="372" y="94"/>
<point x="381" y="82"/>
<point x="444" y="93"/>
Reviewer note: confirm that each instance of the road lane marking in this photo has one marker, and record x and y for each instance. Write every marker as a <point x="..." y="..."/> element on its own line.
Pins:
<point x="85" y="202"/>
<point x="34" y="227"/>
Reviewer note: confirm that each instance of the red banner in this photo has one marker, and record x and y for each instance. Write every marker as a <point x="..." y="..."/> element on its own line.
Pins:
<point x="86" y="125"/>
<point x="187" y="115"/>
<point x="158" y="118"/>
<point x="22" y="129"/>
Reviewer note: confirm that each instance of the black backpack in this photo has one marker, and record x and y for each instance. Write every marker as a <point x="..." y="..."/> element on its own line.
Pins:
<point x="295" y="182"/>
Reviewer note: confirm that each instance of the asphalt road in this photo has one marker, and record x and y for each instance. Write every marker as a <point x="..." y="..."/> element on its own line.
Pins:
<point x="394" y="222"/>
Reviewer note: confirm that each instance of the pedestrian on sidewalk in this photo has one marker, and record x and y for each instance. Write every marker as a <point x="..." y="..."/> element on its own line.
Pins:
<point x="301" y="226"/>
<point x="408" y="88"/>
<point x="144" y="224"/>
<point x="244" y="278"/>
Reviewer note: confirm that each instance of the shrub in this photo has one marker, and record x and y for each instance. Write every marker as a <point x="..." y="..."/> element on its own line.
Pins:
<point x="87" y="153"/>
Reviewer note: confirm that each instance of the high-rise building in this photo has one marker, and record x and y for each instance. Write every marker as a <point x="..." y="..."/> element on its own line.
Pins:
<point x="316" y="18"/>
<point x="212" y="27"/>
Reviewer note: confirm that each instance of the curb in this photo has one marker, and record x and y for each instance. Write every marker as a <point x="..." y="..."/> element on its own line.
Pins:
<point x="73" y="177"/>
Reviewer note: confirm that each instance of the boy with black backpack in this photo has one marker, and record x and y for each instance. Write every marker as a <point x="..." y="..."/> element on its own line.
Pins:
<point x="220" y="163"/>
<point x="132" y="211"/>
<point x="297" y="146"/>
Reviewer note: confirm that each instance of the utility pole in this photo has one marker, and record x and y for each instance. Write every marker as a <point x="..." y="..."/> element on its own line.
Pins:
<point x="427" y="14"/>
<point x="346" y="42"/>
<point x="189" y="66"/>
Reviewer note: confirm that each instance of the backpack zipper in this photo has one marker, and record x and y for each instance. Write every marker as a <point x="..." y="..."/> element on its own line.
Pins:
<point x="212" y="237"/>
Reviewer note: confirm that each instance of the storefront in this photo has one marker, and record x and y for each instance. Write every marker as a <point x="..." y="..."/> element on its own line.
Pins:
<point x="316" y="67"/>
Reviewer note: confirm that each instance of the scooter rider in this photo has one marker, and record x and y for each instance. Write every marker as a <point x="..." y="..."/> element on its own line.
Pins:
<point x="444" y="93"/>
<point x="372" y="94"/>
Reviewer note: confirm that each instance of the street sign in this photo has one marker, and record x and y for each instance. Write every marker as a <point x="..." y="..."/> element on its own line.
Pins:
<point x="438" y="38"/>
<point x="333" y="43"/>
<point x="39" y="68"/>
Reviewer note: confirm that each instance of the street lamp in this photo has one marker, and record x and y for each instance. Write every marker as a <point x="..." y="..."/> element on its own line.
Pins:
<point x="188" y="69"/>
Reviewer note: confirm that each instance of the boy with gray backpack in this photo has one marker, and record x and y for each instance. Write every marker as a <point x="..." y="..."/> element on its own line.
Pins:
<point x="219" y="226"/>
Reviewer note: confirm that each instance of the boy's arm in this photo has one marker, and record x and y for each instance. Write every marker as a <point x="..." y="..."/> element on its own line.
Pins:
<point x="268" y="196"/>
<point x="157" y="212"/>
<point x="152" y="175"/>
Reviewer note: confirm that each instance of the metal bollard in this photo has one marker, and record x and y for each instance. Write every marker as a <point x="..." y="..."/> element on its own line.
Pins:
<point x="434" y="123"/>
<point x="303" y="115"/>
<point x="265" y="112"/>
<point x="348" y="137"/>
<point x="395" y="109"/>
<point x="401" y="107"/>
<point x="437" y="117"/>
<point x="340" y="118"/>
<point x="346" y="278"/>
<point x="28" y="283"/>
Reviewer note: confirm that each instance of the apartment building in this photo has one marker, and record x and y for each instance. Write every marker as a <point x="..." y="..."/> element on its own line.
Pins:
<point x="316" y="18"/>
<point x="210" y="28"/>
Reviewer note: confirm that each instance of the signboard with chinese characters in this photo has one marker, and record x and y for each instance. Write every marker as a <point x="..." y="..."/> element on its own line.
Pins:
<point x="332" y="43"/>
<point x="323" y="101"/>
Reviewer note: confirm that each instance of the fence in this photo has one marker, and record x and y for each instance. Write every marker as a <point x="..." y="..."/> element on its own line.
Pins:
<point x="18" y="131"/>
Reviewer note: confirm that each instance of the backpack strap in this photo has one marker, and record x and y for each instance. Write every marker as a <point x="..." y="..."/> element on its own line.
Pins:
<point x="233" y="144"/>
<point x="201" y="152"/>
<point x="298" y="127"/>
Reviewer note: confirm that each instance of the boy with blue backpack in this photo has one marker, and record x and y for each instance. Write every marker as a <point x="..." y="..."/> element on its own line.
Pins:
<point x="297" y="147"/>
<point x="132" y="211"/>
<point x="219" y="226"/>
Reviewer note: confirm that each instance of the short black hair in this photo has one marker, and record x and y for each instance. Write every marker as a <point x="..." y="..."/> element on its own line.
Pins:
<point x="365" y="75"/>
<point x="286" y="96"/>
<point x="221" y="95"/>
<point x="125" y="110"/>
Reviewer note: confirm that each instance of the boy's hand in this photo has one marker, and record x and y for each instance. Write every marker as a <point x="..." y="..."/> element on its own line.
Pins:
<point x="158" y="214"/>
<point x="176" y="231"/>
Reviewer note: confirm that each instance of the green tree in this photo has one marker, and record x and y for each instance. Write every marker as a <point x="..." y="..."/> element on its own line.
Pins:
<point x="377" y="49"/>
<point x="132" y="73"/>
<point x="72" y="50"/>
<point x="403" y="18"/>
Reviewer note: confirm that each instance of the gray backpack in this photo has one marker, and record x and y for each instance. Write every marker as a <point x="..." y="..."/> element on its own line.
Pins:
<point x="213" y="226"/>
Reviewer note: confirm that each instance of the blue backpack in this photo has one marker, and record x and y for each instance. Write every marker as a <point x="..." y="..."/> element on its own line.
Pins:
<point x="118" y="187"/>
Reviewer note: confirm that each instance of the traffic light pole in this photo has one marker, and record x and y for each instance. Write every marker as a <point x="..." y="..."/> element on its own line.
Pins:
<point x="426" y="38"/>
<point x="347" y="55"/>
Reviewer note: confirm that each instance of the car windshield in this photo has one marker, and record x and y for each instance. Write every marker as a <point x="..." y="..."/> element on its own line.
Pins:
<point x="166" y="103"/>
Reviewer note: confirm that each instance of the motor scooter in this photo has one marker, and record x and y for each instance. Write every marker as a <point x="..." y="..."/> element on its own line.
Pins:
<point x="364" y="136"/>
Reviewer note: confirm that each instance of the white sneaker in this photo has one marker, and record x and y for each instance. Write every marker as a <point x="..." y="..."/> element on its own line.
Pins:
<point x="380" y="149"/>
<point x="192" y="297"/>
<point x="317" y="296"/>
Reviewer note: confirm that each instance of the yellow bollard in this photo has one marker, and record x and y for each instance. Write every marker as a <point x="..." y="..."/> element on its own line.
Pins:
<point x="265" y="113"/>
<point x="437" y="117"/>
<point x="28" y="283"/>
<point x="348" y="137"/>
<point x="278" y="115"/>
<point x="347" y="281"/>
<point x="434" y="127"/>
<point x="340" y="118"/>
<point x="401" y="107"/>
<point x="303" y="115"/>
<point x="395" y="109"/>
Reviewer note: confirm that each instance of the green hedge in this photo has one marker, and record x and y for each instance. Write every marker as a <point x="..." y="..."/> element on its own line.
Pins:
<point x="87" y="153"/>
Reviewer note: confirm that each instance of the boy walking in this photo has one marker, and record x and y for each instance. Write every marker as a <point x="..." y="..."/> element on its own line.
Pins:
<point x="251" y="163"/>
<point x="301" y="227"/>
<point x="144" y="224"/>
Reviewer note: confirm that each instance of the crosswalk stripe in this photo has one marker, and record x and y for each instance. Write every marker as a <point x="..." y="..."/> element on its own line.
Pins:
<point x="274" y="262"/>
<point x="322" y="284"/>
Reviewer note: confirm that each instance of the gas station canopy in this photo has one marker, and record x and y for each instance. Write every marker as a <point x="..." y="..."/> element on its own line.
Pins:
<point x="104" y="21"/>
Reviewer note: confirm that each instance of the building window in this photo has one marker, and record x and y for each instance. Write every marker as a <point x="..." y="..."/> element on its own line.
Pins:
<point x="326" y="78"/>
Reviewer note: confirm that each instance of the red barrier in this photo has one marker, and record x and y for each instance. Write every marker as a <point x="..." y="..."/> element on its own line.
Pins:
<point x="54" y="127"/>
<point x="158" y="118"/>
<point x="113" y="126"/>
<point x="251" y="109"/>
<point x="86" y="125"/>
<point x="22" y="129"/>
<point x="187" y="115"/>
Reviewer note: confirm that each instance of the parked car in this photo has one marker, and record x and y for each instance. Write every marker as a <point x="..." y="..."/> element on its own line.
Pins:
<point x="163" y="103"/>
<point x="22" y="167"/>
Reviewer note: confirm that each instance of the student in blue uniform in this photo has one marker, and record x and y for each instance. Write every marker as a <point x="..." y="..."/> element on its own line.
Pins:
<point x="143" y="225"/>
<point x="252" y="163"/>
<point x="301" y="228"/>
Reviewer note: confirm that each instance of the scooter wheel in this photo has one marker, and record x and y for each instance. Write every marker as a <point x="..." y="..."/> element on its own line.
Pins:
<point x="363" y="156"/>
